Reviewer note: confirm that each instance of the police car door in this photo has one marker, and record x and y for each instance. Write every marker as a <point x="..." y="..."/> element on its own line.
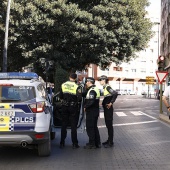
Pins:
<point x="57" y="111"/>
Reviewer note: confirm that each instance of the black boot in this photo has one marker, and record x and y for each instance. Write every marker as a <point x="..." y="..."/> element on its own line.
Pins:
<point x="98" y="145"/>
<point x="89" y="146"/>
<point x="62" y="145"/>
<point x="106" y="142"/>
<point x="75" y="146"/>
<point x="109" y="145"/>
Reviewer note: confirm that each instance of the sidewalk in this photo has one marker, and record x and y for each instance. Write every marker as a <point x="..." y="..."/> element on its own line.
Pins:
<point x="151" y="96"/>
<point x="165" y="115"/>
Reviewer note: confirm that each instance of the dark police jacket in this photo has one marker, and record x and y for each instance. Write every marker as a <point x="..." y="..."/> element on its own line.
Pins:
<point x="92" y="99"/>
<point x="110" y="95"/>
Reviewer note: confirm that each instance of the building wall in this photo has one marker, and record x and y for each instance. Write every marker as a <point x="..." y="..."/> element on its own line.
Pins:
<point x="165" y="35"/>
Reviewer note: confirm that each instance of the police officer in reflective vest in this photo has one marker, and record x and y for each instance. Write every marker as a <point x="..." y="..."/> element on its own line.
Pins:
<point x="70" y="96"/>
<point x="91" y="107"/>
<point x="109" y="98"/>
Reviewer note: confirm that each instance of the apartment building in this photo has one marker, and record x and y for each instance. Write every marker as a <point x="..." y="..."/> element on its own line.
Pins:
<point x="165" y="35"/>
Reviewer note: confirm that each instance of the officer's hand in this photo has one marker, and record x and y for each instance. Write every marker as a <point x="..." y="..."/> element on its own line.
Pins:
<point x="108" y="105"/>
<point x="84" y="109"/>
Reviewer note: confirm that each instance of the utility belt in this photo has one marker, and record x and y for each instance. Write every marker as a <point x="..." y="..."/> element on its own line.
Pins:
<point x="65" y="103"/>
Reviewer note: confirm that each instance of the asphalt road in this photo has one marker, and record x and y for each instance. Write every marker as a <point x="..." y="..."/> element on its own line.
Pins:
<point x="141" y="140"/>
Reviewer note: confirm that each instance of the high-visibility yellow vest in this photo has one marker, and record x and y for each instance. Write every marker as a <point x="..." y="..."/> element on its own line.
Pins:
<point x="69" y="87"/>
<point x="97" y="92"/>
<point x="106" y="93"/>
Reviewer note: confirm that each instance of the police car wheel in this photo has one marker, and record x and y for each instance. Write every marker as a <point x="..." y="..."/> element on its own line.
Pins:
<point x="44" y="149"/>
<point x="52" y="135"/>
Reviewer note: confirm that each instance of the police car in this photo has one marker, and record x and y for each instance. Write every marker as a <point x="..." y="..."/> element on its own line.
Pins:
<point x="25" y="112"/>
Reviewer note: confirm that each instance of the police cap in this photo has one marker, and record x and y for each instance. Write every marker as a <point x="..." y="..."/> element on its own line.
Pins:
<point x="91" y="79"/>
<point x="103" y="77"/>
<point x="73" y="76"/>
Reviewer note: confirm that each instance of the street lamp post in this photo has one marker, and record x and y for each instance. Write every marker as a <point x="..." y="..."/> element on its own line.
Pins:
<point x="158" y="23"/>
<point x="46" y="64"/>
<point x="4" y="68"/>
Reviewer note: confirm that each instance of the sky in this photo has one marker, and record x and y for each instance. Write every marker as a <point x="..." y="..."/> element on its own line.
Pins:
<point x="155" y="8"/>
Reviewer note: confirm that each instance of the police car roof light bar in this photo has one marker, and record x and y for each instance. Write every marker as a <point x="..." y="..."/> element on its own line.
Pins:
<point x="18" y="75"/>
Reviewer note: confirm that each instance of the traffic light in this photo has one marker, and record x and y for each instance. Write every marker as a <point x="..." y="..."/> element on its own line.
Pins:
<point x="161" y="63"/>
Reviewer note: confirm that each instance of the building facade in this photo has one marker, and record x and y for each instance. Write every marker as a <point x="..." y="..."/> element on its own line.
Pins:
<point x="165" y="35"/>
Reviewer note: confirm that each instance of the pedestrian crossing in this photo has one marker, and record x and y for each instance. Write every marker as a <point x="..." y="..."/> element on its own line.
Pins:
<point x="130" y="113"/>
<point x="120" y="114"/>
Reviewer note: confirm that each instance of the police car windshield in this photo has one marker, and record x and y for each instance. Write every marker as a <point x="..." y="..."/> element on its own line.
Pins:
<point x="16" y="94"/>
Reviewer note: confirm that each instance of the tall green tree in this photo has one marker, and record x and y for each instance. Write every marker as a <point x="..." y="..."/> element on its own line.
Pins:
<point x="75" y="33"/>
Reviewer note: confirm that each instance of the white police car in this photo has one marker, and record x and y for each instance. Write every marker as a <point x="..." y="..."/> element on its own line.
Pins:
<point x="25" y="112"/>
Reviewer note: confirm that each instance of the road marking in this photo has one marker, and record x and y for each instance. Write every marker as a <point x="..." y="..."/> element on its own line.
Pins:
<point x="147" y="115"/>
<point x="101" y="115"/>
<point x="127" y="109"/>
<point x="128" y="124"/>
<point x="136" y="113"/>
<point x="120" y="114"/>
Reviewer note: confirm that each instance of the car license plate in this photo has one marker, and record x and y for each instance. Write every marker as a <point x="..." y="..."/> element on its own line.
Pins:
<point x="7" y="113"/>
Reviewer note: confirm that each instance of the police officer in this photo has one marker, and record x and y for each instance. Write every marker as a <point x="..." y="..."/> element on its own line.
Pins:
<point x="91" y="107"/>
<point x="70" y="96"/>
<point x="109" y="98"/>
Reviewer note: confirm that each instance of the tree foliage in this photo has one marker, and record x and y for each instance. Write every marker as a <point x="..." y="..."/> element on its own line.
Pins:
<point x="75" y="33"/>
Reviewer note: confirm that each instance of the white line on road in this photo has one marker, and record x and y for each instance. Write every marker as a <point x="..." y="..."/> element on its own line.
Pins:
<point x="101" y="115"/>
<point x="120" y="114"/>
<point x="127" y="124"/>
<point x="136" y="113"/>
<point x="137" y="108"/>
<point x="148" y="115"/>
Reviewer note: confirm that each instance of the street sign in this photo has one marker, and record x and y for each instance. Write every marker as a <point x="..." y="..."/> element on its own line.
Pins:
<point x="150" y="80"/>
<point x="150" y="77"/>
<point x="161" y="75"/>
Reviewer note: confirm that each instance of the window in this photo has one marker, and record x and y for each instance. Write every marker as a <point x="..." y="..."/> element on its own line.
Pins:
<point x="42" y="91"/>
<point x="143" y="70"/>
<point x="117" y="68"/>
<point x="16" y="93"/>
<point x="133" y="70"/>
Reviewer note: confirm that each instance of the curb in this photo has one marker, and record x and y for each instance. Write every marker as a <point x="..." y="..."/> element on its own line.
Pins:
<point x="164" y="118"/>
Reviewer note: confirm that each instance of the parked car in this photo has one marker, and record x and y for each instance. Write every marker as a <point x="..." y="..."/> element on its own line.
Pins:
<point x="143" y="92"/>
<point x="132" y="92"/>
<point x="125" y="92"/>
<point x="118" y="92"/>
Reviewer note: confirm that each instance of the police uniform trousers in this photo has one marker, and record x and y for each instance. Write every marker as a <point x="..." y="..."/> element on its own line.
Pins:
<point x="69" y="115"/>
<point x="108" y="116"/>
<point x="91" y="127"/>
